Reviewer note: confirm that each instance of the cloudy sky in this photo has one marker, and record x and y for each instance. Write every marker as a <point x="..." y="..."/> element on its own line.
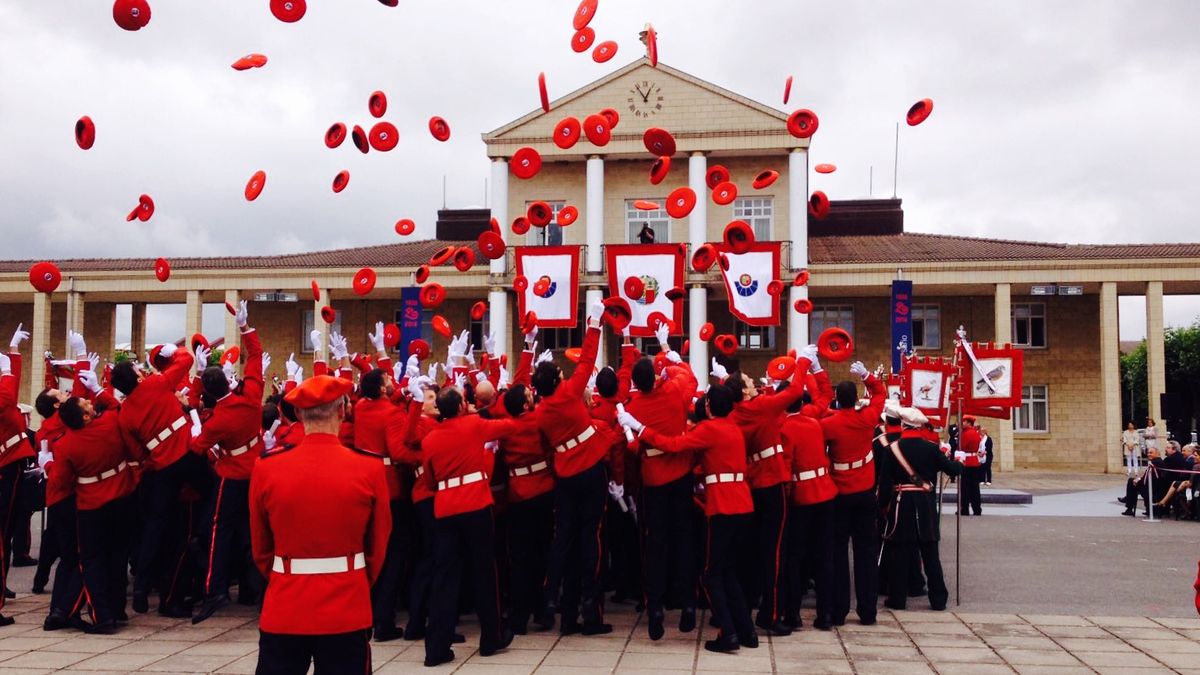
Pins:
<point x="1070" y="121"/>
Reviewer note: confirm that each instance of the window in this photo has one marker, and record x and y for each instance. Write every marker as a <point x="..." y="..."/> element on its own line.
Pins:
<point x="659" y="221"/>
<point x="550" y="235"/>
<point x="648" y="346"/>
<point x="1034" y="413"/>
<point x="559" y="338"/>
<point x="926" y="326"/>
<point x="306" y="327"/>
<point x="759" y="212"/>
<point x="755" y="337"/>
<point x="479" y="330"/>
<point x="829" y="316"/>
<point x="1029" y="324"/>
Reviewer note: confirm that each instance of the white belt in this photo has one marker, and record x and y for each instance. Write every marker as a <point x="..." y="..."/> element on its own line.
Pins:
<point x="654" y="452"/>
<point x="722" y="478"/>
<point x="418" y="471"/>
<point x="809" y="475"/>
<point x="244" y="449"/>
<point x="163" y="435"/>
<point x="839" y="466"/>
<point x="461" y="480"/>
<point x="88" y="480"/>
<point x="335" y="565"/>
<point x="769" y="452"/>
<point x="11" y="443"/>
<point x="527" y="470"/>
<point x="587" y="433"/>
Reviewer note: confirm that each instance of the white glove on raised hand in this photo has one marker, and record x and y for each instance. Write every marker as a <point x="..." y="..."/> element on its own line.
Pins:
<point x="595" y="313"/>
<point x="718" y="371"/>
<point x="489" y="344"/>
<point x="298" y="376"/>
<point x="617" y="492"/>
<point x="627" y="420"/>
<point x="810" y="352"/>
<point x="673" y="356"/>
<point x="314" y="339"/>
<point x="412" y="367"/>
<point x="503" y="381"/>
<point x="266" y="362"/>
<point x="492" y="446"/>
<point x="432" y="372"/>
<point x="416" y="387"/>
<point x="94" y="359"/>
<point x="230" y="373"/>
<point x="5" y="364"/>
<point x="857" y="368"/>
<point x="469" y="355"/>
<point x="18" y="337"/>
<point x="195" y="422"/>
<point x="269" y="436"/>
<point x="337" y="346"/>
<point x="663" y="332"/>
<point x="543" y="358"/>
<point x="78" y="346"/>
<point x="202" y="355"/>
<point x="291" y="365"/>
<point x="242" y="315"/>
<point x="531" y="339"/>
<point x="89" y="380"/>
<point x="377" y="337"/>
<point x="460" y="382"/>
<point x="44" y="456"/>
<point x="398" y="371"/>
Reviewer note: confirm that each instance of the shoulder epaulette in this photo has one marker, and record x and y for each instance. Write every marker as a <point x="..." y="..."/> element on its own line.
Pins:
<point x="277" y="450"/>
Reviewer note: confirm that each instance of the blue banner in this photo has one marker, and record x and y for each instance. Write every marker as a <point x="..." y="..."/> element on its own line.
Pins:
<point x="902" y="337"/>
<point x="410" y="317"/>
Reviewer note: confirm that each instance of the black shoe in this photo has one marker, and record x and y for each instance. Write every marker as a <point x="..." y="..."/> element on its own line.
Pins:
<point x="777" y="629"/>
<point x="79" y="624"/>
<point x="654" y="624"/>
<point x="518" y="627"/>
<point x="596" y="628"/>
<point x="209" y="607"/>
<point x="141" y="602"/>
<point x="748" y="641"/>
<point x="838" y="622"/>
<point x="24" y="561"/>
<point x="106" y="628"/>
<point x="457" y="639"/>
<point x="570" y="628"/>
<point x="55" y="621"/>
<point x="687" y="620"/>
<point x="6" y="620"/>
<point x="8" y="593"/>
<point x="431" y="661"/>
<point x="412" y="633"/>
<point x="544" y="620"/>
<point x="122" y="617"/>
<point x="895" y="605"/>
<point x="506" y="638"/>
<point x="822" y="624"/>
<point x="1129" y="512"/>
<point x="919" y="593"/>
<point x="792" y="622"/>
<point x="867" y="621"/>
<point x="386" y="633"/>
<point x="938" y="607"/>
<point x="178" y="612"/>
<point x="726" y="644"/>
<point x="38" y="589"/>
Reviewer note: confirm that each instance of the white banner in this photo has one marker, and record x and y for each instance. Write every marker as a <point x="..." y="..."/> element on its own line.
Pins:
<point x="746" y="281"/>
<point x="553" y="290"/>
<point x="659" y="268"/>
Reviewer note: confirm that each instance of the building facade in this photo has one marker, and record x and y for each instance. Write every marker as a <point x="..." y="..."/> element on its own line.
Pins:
<point x="1071" y="412"/>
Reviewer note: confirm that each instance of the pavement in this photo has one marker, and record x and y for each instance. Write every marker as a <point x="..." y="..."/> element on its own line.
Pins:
<point x="1065" y="585"/>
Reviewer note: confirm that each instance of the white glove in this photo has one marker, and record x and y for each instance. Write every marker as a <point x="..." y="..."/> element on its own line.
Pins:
<point x="480" y="377"/>
<point x="18" y="337"/>
<point x="629" y="421"/>
<point x="298" y="376"/>
<point x="503" y="381"/>
<point x="269" y="435"/>
<point x="416" y="387"/>
<point x="531" y="339"/>
<point x="492" y="446"/>
<point x="168" y="350"/>
<point x="617" y="492"/>
<point x="432" y="373"/>
<point x="397" y="371"/>
<point x="412" y="367"/>
<point x="202" y="355"/>
<point x="663" y="332"/>
<point x="377" y="337"/>
<point x="242" y="315"/>
<point x="337" y="346"/>
<point x="94" y="359"/>
<point x="592" y="380"/>
<point x="460" y="382"/>
<point x="625" y="332"/>
<point x="718" y="370"/>
<point x="44" y="456"/>
<point x="195" y="422"/>
<point x="266" y="362"/>
<point x="88" y="379"/>
<point x="489" y="344"/>
<point x="595" y="313"/>
<point x="5" y="364"/>
<point x="543" y="358"/>
<point x="230" y="373"/>
<point x="314" y="338"/>
<point x="470" y="354"/>
<point x="77" y="345"/>
<point x="673" y="356"/>
<point x="810" y="353"/>
<point x="857" y="368"/>
<point x="290" y="365"/>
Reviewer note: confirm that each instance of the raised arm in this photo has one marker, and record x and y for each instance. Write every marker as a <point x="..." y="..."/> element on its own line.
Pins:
<point x="252" y="377"/>
<point x="587" y="363"/>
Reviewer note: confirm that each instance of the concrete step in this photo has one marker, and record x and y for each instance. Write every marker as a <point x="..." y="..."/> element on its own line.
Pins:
<point x="991" y="495"/>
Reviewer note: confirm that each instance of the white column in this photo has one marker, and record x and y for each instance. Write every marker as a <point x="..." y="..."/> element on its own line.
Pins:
<point x="595" y="213"/>
<point x="320" y="325"/>
<point x="39" y="344"/>
<point x="798" y="335"/>
<point x="498" y="321"/>
<point x="697" y="307"/>
<point x="1156" y="371"/>
<point x="698" y="220"/>
<point x="1110" y="377"/>
<point x="1003" y="440"/>
<point x="233" y="335"/>
<point x="500" y="211"/>
<point x="193" y="315"/>
<point x="75" y="308"/>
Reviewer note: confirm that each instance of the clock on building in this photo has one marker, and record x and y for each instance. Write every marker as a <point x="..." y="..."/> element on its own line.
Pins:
<point x="645" y="99"/>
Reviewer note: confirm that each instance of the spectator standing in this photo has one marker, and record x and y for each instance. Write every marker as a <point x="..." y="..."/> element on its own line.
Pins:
<point x="1130" y="443"/>
<point x="986" y="444"/>
<point x="646" y="236"/>
<point x="1151" y="435"/>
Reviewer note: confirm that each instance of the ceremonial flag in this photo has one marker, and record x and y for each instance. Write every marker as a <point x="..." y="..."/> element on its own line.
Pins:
<point x="746" y="282"/>
<point x="410" y="318"/>
<point x="659" y="268"/>
<point x="901" y="322"/>
<point x="553" y="290"/>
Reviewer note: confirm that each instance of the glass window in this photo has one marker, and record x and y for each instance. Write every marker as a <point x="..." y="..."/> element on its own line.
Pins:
<point x="1034" y="413"/>
<point x="648" y="346"/>
<point x="755" y="337"/>
<point x="927" y="326"/>
<point x="1029" y="324"/>
<point x="306" y="327"/>
<point x="830" y="316"/>
<point x="559" y="338"/>
<point x="759" y="212"/>
<point x="659" y="221"/>
<point x="479" y="330"/>
<point x="550" y="235"/>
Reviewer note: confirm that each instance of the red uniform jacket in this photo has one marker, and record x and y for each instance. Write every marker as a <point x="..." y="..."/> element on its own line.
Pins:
<point x="94" y="460"/>
<point x="453" y="451"/>
<point x="14" y="445"/>
<point x="722" y="452"/>
<point x="529" y="461"/>
<point x="318" y="500"/>
<point x="759" y="420"/>
<point x="404" y="446"/>
<point x="848" y="435"/>
<point x="812" y="482"/>
<point x="289" y="436"/>
<point x="563" y="417"/>
<point x="970" y="443"/>
<point x="151" y="415"/>
<point x="51" y="430"/>
<point x="665" y="408"/>
<point x="371" y="420"/>
<point x="236" y="422"/>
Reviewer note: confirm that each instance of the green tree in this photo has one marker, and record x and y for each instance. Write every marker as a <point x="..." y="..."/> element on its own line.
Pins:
<point x="1182" y="347"/>
<point x="1133" y="385"/>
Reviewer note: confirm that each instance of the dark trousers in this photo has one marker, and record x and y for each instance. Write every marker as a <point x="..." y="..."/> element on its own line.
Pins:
<point x="21" y="540"/>
<point x="104" y="554"/>
<point x="466" y="540"/>
<point x="762" y="561"/>
<point x="386" y="590"/>
<point x="10" y="478"/>
<point x="810" y="556"/>
<point x="48" y="551"/>
<point x="182" y="565"/>
<point x="160" y="492"/>
<point x="339" y="654"/>
<point x="987" y="466"/>
<point x="579" y="504"/>
<point x="668" y="550"/>
<point x="727" y="536"/>
<point x="971" y="499"/>
<point x="422" y="575"/>
<point x="229" y="540"/>
<point x="906" y="554"/>
<point x="530" y="531"/>
<point x="66" y="598"/>
<point x="854" y="523"/>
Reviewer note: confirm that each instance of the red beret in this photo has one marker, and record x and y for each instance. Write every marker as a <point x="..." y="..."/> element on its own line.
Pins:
<point x="319" y="390"/>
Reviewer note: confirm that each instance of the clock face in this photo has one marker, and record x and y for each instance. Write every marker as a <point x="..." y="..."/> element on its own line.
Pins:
<point x="645" y="99"/>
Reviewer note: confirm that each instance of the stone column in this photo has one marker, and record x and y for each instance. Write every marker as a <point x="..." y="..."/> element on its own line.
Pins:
<point x="320" y="325"/>
<point x="595" y="239"/>
<point x="798" y="336"/>
<point x="1003" y="440"/>
<point x="233" y="335"/>
<point x="500" y="210"/>
<point x="75" y="318"/>
<point x="1110" y="377"/>
<point x="137" y="333"/>
<point x="39" y="344"/>
<point x="193" y="314"/>
<point x="1156" y="370"/>
<point x="498" y="321"/>
<point x="697" y="307"/>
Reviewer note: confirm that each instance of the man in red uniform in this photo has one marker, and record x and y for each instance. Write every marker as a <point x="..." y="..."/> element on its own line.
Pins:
<point x="848" y="435"/>
<point x="972" y="455"/>
<point x="319" y="522"/>
<point x="667" y="488"/>
<point x="231" y="438"/>
<point x="93" y="458"/>
<point x="457" y="462"/>
<point x="14" y="447"/>
<point x="727" y="505"/>
<point x="155" y="424"/>
<point x="581" y="491"/>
